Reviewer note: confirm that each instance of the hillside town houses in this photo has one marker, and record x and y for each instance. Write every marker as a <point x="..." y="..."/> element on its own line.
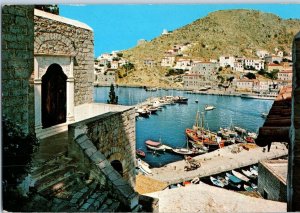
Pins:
<point x="200" y="74"/>
<point x="105" y="68"/>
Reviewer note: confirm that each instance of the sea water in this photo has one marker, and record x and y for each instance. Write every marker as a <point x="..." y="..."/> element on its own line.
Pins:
<point x="169" y="125"/>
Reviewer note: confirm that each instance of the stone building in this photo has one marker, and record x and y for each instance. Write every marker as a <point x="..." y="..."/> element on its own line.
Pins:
<point x="272" y="179"/>
<point x="63" y="68"/>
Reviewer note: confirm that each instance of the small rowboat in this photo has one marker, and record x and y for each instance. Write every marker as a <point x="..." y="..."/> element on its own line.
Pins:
<point x="216" y="182"/>
<point x="248" y="188"/>
<point x="140" y="153"/>
<point x="233" y="178"/>
<point x="240" y="176"/>
<point x="249" y="174"/>
<point x="152" y="143"/>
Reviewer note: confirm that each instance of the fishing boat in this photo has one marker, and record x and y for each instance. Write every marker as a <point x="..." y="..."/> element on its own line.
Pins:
<point x="152" y="143"/>
<point x="240" y="130"/>
<point x="223" y="180"/>
<point x="198" y="145"/>
<point x="216" y="182"/>
<point x="233" y="178"/>
<point x="192" y="134"/>
<point x="248" y="188"/>
<point x="209" y="107"/>
<point x="249" y="174"/>
<point x="144" y="167"/>
<point x="152" y="109"/>
<point x="249" y="140"/>
<point x="142" y="112"/>
<point x="196" y="101"/>
<point x="140" y="153"/>
<point x="157" y="146"/>
<point x="240" y="176"/>
<point x="180" y="99"/>
<point x="252" y="135"/>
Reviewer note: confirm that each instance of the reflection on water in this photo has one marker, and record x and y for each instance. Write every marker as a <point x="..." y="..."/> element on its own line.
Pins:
<point x="169" y="124"/>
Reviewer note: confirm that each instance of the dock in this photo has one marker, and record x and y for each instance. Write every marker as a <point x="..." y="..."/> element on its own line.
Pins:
<point x="226" y="159"/>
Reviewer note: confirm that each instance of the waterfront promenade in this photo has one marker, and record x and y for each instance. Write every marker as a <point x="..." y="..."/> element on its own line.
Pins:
<point x="221" y="160"/>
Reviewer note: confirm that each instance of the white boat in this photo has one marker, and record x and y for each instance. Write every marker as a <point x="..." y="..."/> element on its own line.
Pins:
<point x="248" y="188"/>
<point x="249" y="174"/>
<point x="216" y="182"/>
<point x="144" y="167"/>
<point x="240" y="176"/>
<point x="209" y="107"/>
<point x="253" y="171"/>
<point x="260" y="96"/>
<point x="264" y="115"/>
<point x="252" y="135"/>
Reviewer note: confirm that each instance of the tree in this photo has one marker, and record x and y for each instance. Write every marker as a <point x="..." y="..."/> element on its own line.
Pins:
<point x="17" y="150"/>
<point x="250" y="75"/>
<point x="113" y="99"/>
<point x="50" y="8"/>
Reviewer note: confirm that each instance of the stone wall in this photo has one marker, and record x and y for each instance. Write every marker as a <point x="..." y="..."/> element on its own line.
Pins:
<point x="294" y="148"/>
<point x="17" y="65"/>
<point x="268" y="182"/>
<point x="58" y="36"/>
<point x="113" y="134"/>
<point x="98" y="141"/>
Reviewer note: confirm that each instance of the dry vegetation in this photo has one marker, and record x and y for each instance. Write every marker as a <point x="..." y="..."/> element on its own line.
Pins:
<point x="228" y="32"/>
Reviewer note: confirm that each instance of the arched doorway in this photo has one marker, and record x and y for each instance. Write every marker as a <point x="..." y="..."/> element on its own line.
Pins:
<point x="54" y="96"/>
<point x="117" y="165"/>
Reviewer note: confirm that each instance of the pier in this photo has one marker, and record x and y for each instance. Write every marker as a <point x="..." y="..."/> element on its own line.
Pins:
<point x="226" y="159"/>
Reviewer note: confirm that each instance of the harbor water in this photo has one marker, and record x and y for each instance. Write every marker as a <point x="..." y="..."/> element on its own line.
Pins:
<point x="169" y="125"/>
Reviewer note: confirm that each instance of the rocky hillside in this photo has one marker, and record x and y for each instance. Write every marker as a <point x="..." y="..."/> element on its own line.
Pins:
<point x="227" y="32"/>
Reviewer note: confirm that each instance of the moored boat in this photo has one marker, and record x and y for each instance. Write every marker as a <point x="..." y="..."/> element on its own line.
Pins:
<point x="233" y="178"/>
<point x="253" y="171"/>
<point x="248" y="188"/>
<point x="144" y="167"/>
<point x="216" y="182"/>
<point x="140" y="153"/>
<point x="249" y="174"/>
<point x="240" y="176"/>
<point x="223" y="180"/>
<point x="209" y="107"/>
<point x="152" y="143"/>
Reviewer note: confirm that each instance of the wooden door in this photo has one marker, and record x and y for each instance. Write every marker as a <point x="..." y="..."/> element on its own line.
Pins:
<point x="54" y="98"/>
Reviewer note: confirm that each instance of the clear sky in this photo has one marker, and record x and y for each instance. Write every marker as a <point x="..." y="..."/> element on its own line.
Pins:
<point x="120" y="26"/>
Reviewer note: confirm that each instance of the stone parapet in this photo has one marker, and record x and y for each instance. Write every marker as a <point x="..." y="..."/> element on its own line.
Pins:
<point x="98" y="141"/>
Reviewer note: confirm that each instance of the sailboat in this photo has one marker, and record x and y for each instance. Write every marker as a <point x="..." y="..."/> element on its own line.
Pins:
<point x="188" y="151"/>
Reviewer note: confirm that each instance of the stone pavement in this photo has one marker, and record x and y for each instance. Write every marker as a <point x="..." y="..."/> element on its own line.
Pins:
<point x="216" y="162"/>
<point x="205" y="198"/>
<point x="51" y="146"/>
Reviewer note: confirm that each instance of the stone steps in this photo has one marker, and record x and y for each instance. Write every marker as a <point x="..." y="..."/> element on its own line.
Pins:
<point x="59" y="181"/>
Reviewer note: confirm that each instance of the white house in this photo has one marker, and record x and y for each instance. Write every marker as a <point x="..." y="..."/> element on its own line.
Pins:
<point x="167" y="61"/>
<point x="114" y="65"/>
<point x="226" y="60"/>
<point x="184" y="64"/>
<point x="256" y="63"/>
<point x="262" y="53"/>
<point x="285" y="75"/>
<point x="246" y="84"/>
